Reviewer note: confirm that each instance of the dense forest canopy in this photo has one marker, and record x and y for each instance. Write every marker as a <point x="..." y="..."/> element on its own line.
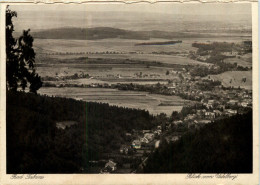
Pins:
<point x="35" y="145"/>
<point x="224" y="146"/>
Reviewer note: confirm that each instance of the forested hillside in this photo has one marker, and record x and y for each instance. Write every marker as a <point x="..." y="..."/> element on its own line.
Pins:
<point x="108" y="32"/>
<point x="221" y="147"/>
<point x="35" y="145"/>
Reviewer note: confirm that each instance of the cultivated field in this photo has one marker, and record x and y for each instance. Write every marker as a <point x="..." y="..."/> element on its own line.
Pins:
<point x="69" y="64"/>
<point x="126" y="71"/>
<point x="139" y="67"/>
<point x="109" y="81"/>
<point x="165" y="59"/>
<point x="122" y="45"/>
<point x="130" y="99"/>
<point x="111" y="45"/>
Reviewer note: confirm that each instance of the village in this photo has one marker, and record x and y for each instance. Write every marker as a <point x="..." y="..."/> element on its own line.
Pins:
<point x="205" y="100"/>
<point x="214" y="102"/>
<point x="206" y="107"/>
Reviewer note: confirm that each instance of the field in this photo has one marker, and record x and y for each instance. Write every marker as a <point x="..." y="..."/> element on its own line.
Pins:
<point x="234" y="78"/>
<point x="130" y="99"/>
<point x="69" y="62"/>
<point x="85" y="81"/>
<point x="121" y="45"/>
<point x="126" y="64"/>
<point x="165" y="59"/>
<point x="103" y="71"/>
<point x="244" y="61"/>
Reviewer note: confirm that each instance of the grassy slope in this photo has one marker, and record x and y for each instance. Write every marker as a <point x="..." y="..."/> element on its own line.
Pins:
<point x="236" y="77"/>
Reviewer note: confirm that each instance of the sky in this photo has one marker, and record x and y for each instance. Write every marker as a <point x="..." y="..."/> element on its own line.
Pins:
<point x="138" y="16"/>
<point x="169" y="8"/>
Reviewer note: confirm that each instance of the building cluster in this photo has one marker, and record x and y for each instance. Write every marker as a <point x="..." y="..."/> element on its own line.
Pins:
<point x="141" y="143"/>
<point x="216" y="104"/>
<point x="145" y="138"/>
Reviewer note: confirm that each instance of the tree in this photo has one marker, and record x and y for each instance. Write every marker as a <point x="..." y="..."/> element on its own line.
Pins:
<point x="20" y="58"/>
<point x="175" y="116"/>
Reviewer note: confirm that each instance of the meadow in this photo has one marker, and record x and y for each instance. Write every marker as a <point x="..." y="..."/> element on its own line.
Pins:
<point x="130" y="99"/>
<point x="164" y="59"/>
<point x="235" y="79"/>
<point x="122" y="45"/>
<point x="108" y="72"/>
<point x="244" y="61"/>
<point x="75" y="53"/>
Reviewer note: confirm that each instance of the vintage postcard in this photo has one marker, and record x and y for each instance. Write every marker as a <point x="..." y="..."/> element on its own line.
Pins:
<point x="139" y="93"/>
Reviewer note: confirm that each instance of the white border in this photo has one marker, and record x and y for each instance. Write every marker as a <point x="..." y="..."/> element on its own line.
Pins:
<point x="250" y="179"/>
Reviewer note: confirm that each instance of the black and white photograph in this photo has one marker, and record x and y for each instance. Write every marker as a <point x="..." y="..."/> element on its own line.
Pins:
<point x="115" y="88"/>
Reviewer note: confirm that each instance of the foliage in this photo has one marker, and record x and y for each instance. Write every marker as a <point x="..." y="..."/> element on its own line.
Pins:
<point x="208" y="85"/>
<point x="215" y="46"/>
<point x="20" y="58"/>
<point x="35" y="145"/>
<point x="224" y="146"/>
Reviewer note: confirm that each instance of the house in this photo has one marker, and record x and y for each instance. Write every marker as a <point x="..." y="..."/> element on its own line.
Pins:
<point x="231" y="111"/>
<point x="230" y="53"/>
<point x="158" y="132"/>
<point x="203" y="122"/>
<point x="144" y="140"/>
<point x="210" y="104"/>
<point x="136" y="144"/>
<point x="172" y="87"/>
<point x="177" y="122"/>
<point x="65" y="124"/>
<point x="232" y="102"/>
<point x="149" y="136"/>
<point x="190" y="116"/>
<point x="210" y="115"/>
<point x="175" y="138"/>
<point x="93" y="85"/>
<point x="217" y="112"/>
<point x="244" y="104"/>
<point x="110" y="166"/>
<point x="211" y="101"/>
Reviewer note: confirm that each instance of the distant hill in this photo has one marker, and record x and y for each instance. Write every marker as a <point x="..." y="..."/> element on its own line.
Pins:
<point x="108" y="32"/>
